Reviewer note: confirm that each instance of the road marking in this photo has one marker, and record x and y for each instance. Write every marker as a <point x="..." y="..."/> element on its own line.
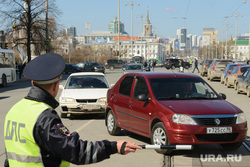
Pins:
<point x="246" y="146"/>
<point x="84" y="125"/>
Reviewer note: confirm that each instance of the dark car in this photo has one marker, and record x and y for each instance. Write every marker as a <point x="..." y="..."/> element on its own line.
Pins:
<point x="93" y="67"/>
<point x="71" y="68"/>
<point x="243" y="83"/>
<point x="114" y="63"/>
<point x="175" y="63"/>
<point x="204" y="66"/>
<point x="174" y="108"/>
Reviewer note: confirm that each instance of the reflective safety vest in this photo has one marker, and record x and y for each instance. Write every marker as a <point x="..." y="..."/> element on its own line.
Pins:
<point x="21" y="148"/>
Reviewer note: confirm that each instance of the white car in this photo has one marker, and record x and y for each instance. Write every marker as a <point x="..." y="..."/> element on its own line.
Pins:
<point x="84" y="93"/>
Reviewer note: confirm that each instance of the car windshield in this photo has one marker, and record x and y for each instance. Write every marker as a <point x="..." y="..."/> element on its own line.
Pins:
<point x="86" y="82"/>
<point x="181" y="89"/>
<point x="244" y="69"/>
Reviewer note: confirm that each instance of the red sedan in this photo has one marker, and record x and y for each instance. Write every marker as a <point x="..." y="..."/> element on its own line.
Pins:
<point x="174" y="108"/>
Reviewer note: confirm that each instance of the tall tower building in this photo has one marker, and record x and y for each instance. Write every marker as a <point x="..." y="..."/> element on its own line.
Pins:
<point x="210" y="36"/>
<point x="182" y="38"/>
<point x="113" y="26"/>
<point x="148" y="27"/>
<point x="71" y="31"/>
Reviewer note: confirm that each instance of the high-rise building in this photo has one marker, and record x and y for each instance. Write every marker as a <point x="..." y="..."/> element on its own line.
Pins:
<point x="182" y="38"/>
<point x="148" y="27"/>
<point x="210" y="36"/>
<point x="113" y="26"/>
<point x="194" y="41"/>
<point x="71" y="31"/>
<point x="189" y="41"/>
<point x="199" y="41"/>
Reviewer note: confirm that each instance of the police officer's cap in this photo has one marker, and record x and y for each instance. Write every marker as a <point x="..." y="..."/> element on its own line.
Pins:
<point x="45" y="69"/>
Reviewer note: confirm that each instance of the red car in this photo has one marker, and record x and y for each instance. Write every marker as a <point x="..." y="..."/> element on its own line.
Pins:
<point x="173" y="108"/>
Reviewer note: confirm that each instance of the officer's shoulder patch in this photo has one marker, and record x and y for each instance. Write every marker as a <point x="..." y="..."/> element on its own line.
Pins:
<point x="63" y="129"/>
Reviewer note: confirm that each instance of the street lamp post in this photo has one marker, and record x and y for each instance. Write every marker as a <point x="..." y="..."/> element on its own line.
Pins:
<point x="141" y="16"/>
<point x="47" y="35"/>
<point x="236" y="16"/>
<point x="119" y="29"/>
<point x="132" y="4"/>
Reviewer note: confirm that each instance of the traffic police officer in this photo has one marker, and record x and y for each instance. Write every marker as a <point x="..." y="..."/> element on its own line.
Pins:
<point x="34" y="134"/>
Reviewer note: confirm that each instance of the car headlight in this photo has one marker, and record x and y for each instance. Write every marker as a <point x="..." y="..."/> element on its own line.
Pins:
<point x="241" y="118"/>
<point x="102" y="100"/>
<point x="68" y="100"/>
<point x="183" y="119"/>
<point x="95" y="68"/>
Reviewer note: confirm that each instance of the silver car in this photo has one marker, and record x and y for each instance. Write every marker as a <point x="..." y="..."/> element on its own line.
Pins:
<point x="133" y="67"/>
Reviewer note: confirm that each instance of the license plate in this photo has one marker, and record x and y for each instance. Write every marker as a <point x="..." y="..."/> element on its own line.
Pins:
<point x="90" y="107"/>
<point x="219" y="130"/>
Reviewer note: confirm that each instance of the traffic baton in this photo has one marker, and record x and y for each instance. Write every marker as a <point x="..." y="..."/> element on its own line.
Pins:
<point x="173" y="147"/>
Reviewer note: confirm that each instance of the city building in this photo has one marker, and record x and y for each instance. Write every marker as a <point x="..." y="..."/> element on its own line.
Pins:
<point x="71" y="31"/>
<point x="210" y="36"/>
<point x="148" y="27"/>
<point x="113" y="26"/>
<point x="182" y="38"/>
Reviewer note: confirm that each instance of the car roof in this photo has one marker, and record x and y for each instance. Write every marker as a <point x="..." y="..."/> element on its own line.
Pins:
<point x="86" y="73"/>
<point x="164" y="75"/>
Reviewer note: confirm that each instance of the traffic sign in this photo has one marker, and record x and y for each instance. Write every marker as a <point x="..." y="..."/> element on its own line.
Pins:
<point x="46" y="43"/>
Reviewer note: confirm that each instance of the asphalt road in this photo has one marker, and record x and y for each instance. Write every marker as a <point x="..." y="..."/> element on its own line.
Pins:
<point x="91" y="127"/>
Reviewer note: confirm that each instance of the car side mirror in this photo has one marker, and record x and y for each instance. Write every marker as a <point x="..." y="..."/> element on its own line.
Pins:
<point x="229" y="72"/>
<point x="112" y="85"/>
<point x="223" y="96"/>
<point x="143" y="97"/>
<point x="61" y="87"/>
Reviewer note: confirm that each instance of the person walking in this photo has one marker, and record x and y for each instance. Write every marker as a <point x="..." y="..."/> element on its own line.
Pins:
<point x="34" y="134"/>
<point x="196" y="65"/>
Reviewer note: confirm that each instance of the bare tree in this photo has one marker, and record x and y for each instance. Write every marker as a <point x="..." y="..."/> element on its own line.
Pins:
<point x="26" y="25"/>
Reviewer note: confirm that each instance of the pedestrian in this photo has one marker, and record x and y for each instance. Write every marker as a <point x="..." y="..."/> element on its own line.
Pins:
<point x="20" y="69"/>
<point x="152" y="65"/>
<point x="181" y="69"/>
<point x="196" y="65"/>
<point x="35" y="134"/>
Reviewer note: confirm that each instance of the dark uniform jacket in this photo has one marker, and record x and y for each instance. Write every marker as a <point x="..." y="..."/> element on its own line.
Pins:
<point x="55" y="141"/>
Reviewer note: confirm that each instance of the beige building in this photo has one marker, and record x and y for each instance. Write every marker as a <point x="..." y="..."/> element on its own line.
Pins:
<point x="210" y="36"/>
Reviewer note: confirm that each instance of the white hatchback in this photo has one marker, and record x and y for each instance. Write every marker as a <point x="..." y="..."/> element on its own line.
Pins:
<point x="84" y="93"/>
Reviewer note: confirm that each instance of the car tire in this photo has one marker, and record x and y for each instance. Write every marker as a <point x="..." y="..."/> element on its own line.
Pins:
<point x="159" y="137"/>
<point x="172" y="67"/>
<point x="222" y="80"/>
<point x="231" y="146"/>
<point x="111" y="68"/>
<point x="4" y="80"/>
<point x="208" y="76"/>
<point x="235" y="85"/>
<point x="187" y="67"/>
<point x="63" y="115"/>
<point x="228" y="85"/>
<point x="237" y="88"/>
<point x="112" y="127"/>
<point x="248" y="92"/>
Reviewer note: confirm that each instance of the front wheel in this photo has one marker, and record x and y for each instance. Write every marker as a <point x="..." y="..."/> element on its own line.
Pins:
<point x="111" y="68"/>
<point x="4" y="81"/>
<point x="159" y="137"/>
<point x="112" y="127"/>
<point x="172" y="67"/>
<point x="248" y="92"/>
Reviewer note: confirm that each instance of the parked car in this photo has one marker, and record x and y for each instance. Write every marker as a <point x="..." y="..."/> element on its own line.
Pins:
<point x="232" y="77"/>
<point x="175" y="63"/>
<point x="71" y="68"/>
<point x="216" y="68"/>
<point x="81" y="64"/>
<point x="93" y="67"/>
<point x="134" y="67"/>
<point x="83" y="93"/>
<point x="125" y="64"/>
<point x="204" y="66"/>
<point x="174" y="108"/>
<point x="229" y="68"/>
<point x="113" y="64"/>
<point x="159" y="64"/>
<point x="243" y="83"/>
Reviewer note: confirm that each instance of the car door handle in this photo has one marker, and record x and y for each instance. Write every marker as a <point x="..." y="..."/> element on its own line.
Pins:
<point x="115" y="100"/>
<point x="131" y="105"/>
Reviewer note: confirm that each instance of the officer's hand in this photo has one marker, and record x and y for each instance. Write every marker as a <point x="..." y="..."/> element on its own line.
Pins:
<point x="124" y="147"/>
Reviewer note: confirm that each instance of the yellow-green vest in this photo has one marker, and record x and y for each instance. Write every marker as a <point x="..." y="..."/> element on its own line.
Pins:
<point x="21" y="148"/>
